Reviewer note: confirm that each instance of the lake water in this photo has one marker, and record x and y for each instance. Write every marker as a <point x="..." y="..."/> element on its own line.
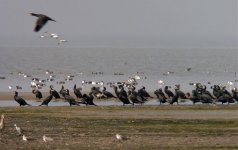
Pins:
<point x="217" y="66"/>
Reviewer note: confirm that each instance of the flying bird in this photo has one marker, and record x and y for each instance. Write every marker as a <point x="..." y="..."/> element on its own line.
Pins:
<point x="41" y="21"/>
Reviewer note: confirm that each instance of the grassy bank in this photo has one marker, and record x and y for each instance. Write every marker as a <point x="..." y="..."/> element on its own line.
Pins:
<point x="146" y="127"/>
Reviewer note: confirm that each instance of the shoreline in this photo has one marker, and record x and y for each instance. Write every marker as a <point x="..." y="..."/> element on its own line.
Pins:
<point x="31" y="96"/>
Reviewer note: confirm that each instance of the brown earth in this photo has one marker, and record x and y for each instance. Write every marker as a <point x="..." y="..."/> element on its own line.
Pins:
<point x="144" y="127"/>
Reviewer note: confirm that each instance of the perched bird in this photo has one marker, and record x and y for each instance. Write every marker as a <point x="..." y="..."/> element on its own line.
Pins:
<point x="20" y="100"/>
<point x="70" y="99"/>
<point x="18" y="129"/>
<point x="107" y="94"/>
<point x="24" y="138"/>
<point x="2" y="122"/>
<point x="54" y="93"/>
<point x="160" y="95"/>
<point x="47" y="139"/>
<point x="41" y="21"/>
<point x="88" y="99"/>
<point x="63" y="91"/>
<point x="77" y="92"/>
<point x="135" y="97"/>
<point x="122" y="96"/>
<point x="37" y="93"/>
<point x="168" y="92"/>
<point x="47" y="99"/>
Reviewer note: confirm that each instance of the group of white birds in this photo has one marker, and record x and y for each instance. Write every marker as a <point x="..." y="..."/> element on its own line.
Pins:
<point x="24" y="138"/>
<point x="44" y="138"/>
<point x="55" y="36"/>
<point x="20" y="131"/>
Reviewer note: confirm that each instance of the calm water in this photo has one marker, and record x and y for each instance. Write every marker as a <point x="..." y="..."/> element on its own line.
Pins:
<point x="217" y="66"/>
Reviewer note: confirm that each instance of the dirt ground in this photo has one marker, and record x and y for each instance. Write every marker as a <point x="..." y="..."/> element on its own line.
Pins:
<point x="144" y="127"/>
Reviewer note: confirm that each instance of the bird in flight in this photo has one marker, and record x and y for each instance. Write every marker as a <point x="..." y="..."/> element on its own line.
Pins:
<point x="41" y="21"/>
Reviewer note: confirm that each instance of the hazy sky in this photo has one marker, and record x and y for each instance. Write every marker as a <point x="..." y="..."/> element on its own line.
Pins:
<point x="134" y="23"/>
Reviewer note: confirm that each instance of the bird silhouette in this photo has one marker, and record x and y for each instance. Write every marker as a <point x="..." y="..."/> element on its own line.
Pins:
<point x="54" y="93"/>
<point x="77" y="92"/>
<point x="37" y="93"/>
<point x="47" y="99"/>
<point x="20" y="100"/>
<point x="122" y="96"/>
<point x="70" y="99"/>
<point x="88" y="99"/>
<point x="168" y="92"/>
<point x="41" y="21"/>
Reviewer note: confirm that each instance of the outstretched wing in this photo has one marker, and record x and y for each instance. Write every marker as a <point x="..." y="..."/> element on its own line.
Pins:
<point x="41" y="21"/>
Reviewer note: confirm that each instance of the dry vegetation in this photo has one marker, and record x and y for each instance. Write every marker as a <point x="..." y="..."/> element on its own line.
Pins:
<point x="146" y="127"/>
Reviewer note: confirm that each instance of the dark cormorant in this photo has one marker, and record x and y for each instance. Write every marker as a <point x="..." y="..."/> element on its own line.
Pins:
<point x="121" y="96"/>
<point x="41" y="21"/>
<point x="235" y="94"/>
<point x="70" y="99"/>
<point x="97" y="93"/>
<point x="54" y="93"/>
<point x="63" y="91"/>
<point x="37" y="93"/>
<point x="168" y="92"/>
<point x="20" y="100"/>
<point x="175" y="99"/>
<point x="222" y="95"/>
<point x="142" y="92"/>
<point x="77" y="92"/>
<point x="88" y="99"/>
<point x="47" y="99"/>
<point x="134" y="97"/>
<point x="107" y="94"/>
<point x="180" y="93"/>
<point x="160" y="95"/>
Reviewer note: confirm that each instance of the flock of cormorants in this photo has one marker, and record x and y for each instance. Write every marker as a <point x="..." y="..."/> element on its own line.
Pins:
<point x="132" y="96"/>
